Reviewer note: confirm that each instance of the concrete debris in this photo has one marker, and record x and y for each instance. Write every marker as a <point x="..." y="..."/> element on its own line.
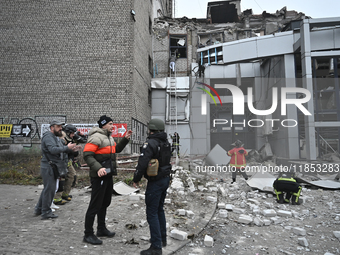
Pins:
<point x="303" y="241"/>
<point x="121" y="188"/>
<point x="258" y="222"/>
<point x="284" y="213"/>
<point x="212" y="199"/>
<point x="134" y="197"/>
<point x="178" y="234"/>
<point x="181" y="212"/>
<point x="269" y="213"/>
<point x="223" y="213"/>
<point x="229" y="207"/>
<point x="221" y="205"/>
<point x="245" y="219"/>
<point x="208" y="241"/>
<point x="190" y="214"/>
<point x="299" y="231"/>
<point x="337" y="234"/>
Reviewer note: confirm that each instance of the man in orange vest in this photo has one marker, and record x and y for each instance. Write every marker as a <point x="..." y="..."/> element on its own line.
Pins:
<point x="238" y="160"/>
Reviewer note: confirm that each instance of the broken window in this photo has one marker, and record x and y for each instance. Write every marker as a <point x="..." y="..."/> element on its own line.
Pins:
<point x="178" y="44"/>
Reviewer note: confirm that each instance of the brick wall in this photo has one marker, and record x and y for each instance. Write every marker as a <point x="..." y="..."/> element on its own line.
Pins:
<point x="75" y="58"/>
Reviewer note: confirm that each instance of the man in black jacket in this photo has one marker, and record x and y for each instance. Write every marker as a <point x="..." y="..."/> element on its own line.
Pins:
<point x="156" y="147"/>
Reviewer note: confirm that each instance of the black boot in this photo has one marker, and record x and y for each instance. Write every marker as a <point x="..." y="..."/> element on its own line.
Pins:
<point x="234" y="180"/>
<point x="280" y="199"/>
<point x="295" y="200"/>
<point x="152" y="251"/>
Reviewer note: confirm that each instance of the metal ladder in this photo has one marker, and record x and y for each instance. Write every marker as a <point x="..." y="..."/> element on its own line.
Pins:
<point x="172" y="89"/>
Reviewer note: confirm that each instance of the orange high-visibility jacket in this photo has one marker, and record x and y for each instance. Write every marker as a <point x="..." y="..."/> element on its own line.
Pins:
<point x="237" y="159"/>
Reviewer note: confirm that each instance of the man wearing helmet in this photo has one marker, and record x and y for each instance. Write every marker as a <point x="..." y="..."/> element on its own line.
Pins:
<point x="286" y="183"/>
<point x="156" y="147"/>
<point x="69" y="135"/>
<point x="238" y="160"/>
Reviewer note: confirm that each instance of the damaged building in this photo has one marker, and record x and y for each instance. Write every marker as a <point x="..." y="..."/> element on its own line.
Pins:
<point x="265" y="56"/>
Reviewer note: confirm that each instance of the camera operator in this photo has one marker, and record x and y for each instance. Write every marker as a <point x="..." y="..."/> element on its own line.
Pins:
<point x="70" y="135"/>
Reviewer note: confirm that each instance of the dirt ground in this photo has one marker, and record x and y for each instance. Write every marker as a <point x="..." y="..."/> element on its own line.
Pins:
<point x="319" y="216"/>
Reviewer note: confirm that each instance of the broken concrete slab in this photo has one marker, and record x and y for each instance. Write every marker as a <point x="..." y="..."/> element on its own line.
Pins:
<point x="121" y="188"/>
<point x="269" y="213"/>
<point x="284" y="213"/>
<point x="217" y="156"/>
<point x="337" y="234"/>
<point x="262" y="181"/>
<point x="326" y="184"/>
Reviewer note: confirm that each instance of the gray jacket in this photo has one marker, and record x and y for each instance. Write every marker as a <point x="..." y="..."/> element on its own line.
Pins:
<point x="55" y="149"/>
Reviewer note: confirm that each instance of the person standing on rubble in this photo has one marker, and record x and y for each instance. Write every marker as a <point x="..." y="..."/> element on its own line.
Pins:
<point x="154" y="165"/>
<point x="238" y="160"/>
<point x="286" y="183"/>
<point x="100" y="155"/>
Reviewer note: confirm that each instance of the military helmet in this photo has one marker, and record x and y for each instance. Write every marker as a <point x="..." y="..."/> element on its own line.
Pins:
<point x="237" y="143"/>
<point x="156" y="125"/>
<point x="70" y="129"/>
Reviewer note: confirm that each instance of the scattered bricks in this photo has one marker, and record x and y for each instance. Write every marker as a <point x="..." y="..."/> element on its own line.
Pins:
<point x="256" y="211"/>
<point x="222" y="191"/>
<point x="250" y="195"/>
<point x="266" y="222"/>
<point x="213" y="189"/>
<point x="212" y="199"/>
<point x="191" y="185"/>
<point x="276" y="220"/>
<point x="142" y="223"/>
<point x="233" y="196"/>
<point x="238" y="210"/>
<point x="190" y="214"/>
<point x="221" y="206"/>
<point x="229" y="207"/>
<point x="284" y="213"/>
<point x="200" y="187"/>
<point x="258" y="222"/>
<point x="303" y="241"/>
<point x="245" y="219"/>
<point x="269" y="213"/>
<point x="179" y="235"/>
<point x="337" y="234"/>
<point x="299" y="231"/>
<point x="253" y="201"/>
<point x="295" y="214"/>
<point x="223" y="213"/>
<point x="167" y="201"/>
<point x="305" y="212"/>
<point x="134" y="197"/>
<point x="268" y="205"/>
<point x="181" y="212"/>
<point x="270" y="195"/>
<point x="208" y="241"/>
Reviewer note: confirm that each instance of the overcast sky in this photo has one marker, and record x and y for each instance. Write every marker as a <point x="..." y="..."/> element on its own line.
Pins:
<point x="312" y="8"/>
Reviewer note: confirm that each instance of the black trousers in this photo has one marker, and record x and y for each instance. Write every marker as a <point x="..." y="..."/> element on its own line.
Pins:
<point x="101" y="196"/>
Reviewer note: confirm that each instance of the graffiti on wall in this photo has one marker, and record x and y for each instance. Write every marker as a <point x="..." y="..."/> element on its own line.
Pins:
<point x="26" y="129"/>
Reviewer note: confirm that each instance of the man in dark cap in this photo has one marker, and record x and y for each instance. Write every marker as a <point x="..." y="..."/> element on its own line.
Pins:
<point x="53" y="150"/>
<point x="99" y="154"/>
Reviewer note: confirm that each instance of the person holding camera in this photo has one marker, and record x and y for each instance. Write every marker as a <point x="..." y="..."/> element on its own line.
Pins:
<point x="69" y="135"/>
<point x="53" y="150"/>
<point x="100" y="155"/>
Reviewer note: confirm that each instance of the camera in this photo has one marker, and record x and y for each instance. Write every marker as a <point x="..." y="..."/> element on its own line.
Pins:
<point x="79" y="138"/>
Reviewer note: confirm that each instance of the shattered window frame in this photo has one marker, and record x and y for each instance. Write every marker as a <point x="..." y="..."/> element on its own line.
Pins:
<point x="182" y="50"/>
